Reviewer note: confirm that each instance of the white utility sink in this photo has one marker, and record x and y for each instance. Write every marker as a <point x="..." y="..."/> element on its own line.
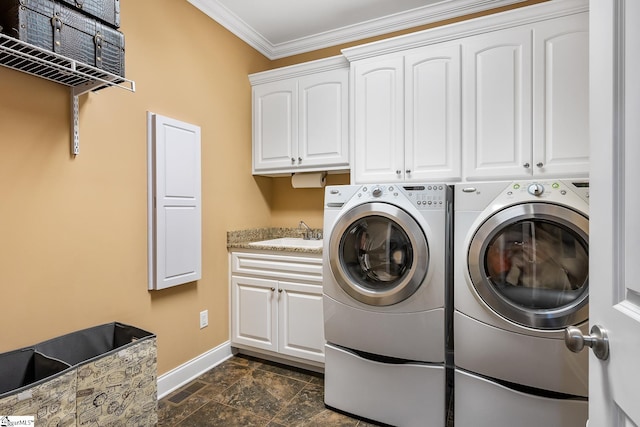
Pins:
<point x="290" y="242"/>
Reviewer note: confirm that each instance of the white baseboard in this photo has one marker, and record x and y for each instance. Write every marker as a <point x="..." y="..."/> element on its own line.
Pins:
<point x="192" y="369"/>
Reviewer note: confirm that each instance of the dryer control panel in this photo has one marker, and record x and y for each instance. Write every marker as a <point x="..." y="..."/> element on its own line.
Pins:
<point x="548" y="190"/>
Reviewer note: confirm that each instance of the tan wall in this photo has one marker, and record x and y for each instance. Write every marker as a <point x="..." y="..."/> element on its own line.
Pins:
<point x="73" y="231"/>
<point x="291" y="205"/>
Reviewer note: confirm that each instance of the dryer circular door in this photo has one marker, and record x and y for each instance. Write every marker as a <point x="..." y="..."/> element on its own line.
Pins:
<point x="530" y="264"/>
<point x="378" y="254"/>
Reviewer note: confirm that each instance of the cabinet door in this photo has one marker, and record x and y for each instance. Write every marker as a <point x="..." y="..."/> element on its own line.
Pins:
<point x="175" y="204"/>
<point x="323" y="138"/>
<point x="254" y="312"/>
<point x="300" y="320"/>
<point x="561" y="103"/>
<point x="378" y="120"/>
<point x="497" y="104"/>
<point x="275" y="125"/>
<point x="432" y="114"/>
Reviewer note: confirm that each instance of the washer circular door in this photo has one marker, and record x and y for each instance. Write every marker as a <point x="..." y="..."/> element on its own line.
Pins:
<point x="530" y="264"/>
<point x="378" y="254"/>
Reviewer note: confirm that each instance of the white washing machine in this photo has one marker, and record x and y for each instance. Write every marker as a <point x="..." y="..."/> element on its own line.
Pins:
<point x="521" y="259"/>
<point x="385" y="286"/>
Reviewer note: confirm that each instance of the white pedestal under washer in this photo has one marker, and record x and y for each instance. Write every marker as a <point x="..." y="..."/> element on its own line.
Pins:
<point x="520" y="278"/>
<point x="385" y="286"/>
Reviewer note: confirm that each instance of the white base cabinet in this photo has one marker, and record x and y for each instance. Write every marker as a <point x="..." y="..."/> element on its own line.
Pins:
<point x="276" y="304"/>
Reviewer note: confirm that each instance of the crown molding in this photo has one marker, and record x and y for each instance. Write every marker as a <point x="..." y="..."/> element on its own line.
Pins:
<point x="484" y="24"/>
<point x="233" y="23"/>
<point x="401" y="21"/>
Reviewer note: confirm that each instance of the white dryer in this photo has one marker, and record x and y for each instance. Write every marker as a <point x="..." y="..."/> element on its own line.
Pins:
<point x="521" y="276"/>
<point x="385" y="286"/>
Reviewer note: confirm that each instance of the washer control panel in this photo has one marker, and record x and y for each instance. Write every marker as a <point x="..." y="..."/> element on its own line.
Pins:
<point x="422" y="196"/>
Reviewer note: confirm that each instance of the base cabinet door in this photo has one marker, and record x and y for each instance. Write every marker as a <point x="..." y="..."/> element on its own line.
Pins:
<point x="254" y="311"/>
<point x="301" y="328"/>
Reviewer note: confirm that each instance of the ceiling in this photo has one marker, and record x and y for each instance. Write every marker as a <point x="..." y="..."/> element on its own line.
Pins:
<point x="281" y="28"/>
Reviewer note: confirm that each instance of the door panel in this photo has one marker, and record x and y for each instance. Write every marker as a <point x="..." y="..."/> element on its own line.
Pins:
<point x="432" y="108"/>
<point x="322" y="122"/>
<point x="497" y="104"/>
<point x="379" y="120"/>
<point x="615" y="237"/>
<point x="254" y="306"/>
<point x="561" y="115"/>
<point x="275" y="125"/>
<point x="175" y="218"/>
<point x="300" y="320"/>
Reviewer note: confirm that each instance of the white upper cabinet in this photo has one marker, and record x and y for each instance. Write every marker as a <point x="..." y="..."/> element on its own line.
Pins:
<point x="526" y="101"/>
<point x="406" y="116"/>
<point x="432" y="113"/>
<point x="323" y="102"/>
<point x="300" y="118"/>
<point x="561" y="97"/>
<point x="275" y="125"/>
<point x="497" y="103"/>
<point x="481" y="99"/>
<point x="378" y="120"/>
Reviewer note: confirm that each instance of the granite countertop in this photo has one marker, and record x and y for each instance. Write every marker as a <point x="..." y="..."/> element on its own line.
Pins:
<point x="241" y="239"/>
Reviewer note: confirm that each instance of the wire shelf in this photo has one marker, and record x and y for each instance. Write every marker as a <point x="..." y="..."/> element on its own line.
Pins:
<point x="82" y="78"/>
<point x="34" y="60"/>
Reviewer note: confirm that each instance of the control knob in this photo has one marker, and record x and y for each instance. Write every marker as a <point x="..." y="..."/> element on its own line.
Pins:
<point x="376" y="192"/>
<point x="536" y="189"/>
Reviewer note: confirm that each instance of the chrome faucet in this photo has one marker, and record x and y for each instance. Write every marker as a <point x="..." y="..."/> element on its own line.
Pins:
<point x="308" y="233"/>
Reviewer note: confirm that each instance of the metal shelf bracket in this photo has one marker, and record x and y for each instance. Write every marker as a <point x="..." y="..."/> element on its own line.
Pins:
<point x="75" y="125"/>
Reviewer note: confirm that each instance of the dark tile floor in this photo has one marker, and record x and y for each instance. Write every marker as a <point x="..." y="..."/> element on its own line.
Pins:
<point x="245" y="391"/>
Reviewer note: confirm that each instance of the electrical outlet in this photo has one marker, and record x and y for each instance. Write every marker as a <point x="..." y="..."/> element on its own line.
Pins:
<point x="204" y="319"/>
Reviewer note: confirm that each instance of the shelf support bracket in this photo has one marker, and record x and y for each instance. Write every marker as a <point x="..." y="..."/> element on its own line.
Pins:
<point x="75" y="124"/>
